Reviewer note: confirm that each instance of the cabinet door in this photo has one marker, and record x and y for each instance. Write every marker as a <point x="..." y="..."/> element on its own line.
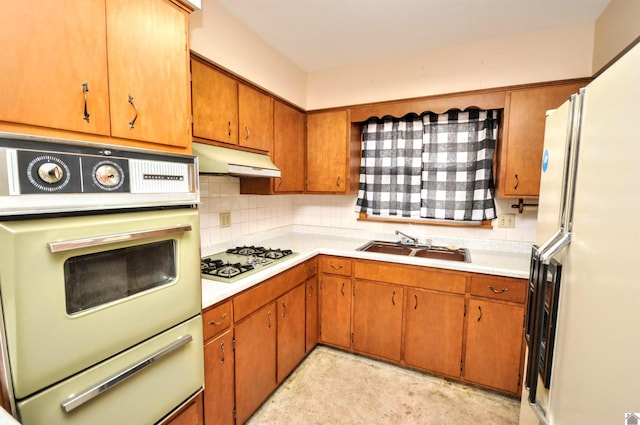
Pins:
<point x="377" y="319"/>
<point x="312" y="313"/>
<point x="327" y="152"/>
<point x="48" y="52"/>
<point x="256" y="119"/>
<point x="149" y="64"/>
<point x="523" y="138"/>
<point x="288" y="148"/>
<point x="494" y="344"/>
<point x="433" y="331"/>
<point x="219" y="380"/>
<point x="255" y="360"/>
<point x="335" y="310"/>
<point x="291" y="330"/>
<point x="214" y="96"/>
<point x="190" y="414"/>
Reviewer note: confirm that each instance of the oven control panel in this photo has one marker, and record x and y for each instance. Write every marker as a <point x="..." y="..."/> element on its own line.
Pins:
<point x="39" y="175"/>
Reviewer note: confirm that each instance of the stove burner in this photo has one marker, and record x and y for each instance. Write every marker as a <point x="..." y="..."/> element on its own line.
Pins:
<point x="226" y="266"/>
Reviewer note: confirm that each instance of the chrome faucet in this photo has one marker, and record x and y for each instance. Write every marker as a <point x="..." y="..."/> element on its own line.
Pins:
<point x="415" y="240"/>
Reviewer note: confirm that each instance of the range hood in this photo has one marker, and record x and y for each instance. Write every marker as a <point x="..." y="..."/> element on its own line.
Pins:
<point x="217" y="160"/>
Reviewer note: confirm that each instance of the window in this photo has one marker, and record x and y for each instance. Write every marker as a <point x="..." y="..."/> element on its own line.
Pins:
<point x="429" y="166"/>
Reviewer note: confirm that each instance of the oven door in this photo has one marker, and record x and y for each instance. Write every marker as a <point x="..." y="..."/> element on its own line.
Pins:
<point x="76" y="290"/>
<point x="139" y="386"/>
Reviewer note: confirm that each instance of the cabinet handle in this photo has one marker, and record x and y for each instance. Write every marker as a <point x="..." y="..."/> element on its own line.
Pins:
<point x="269" y="316"/>
<point x="495" y="291"/>
<point x="480" y="313"/>
<point x="135" y="108"/>
<point x="222" y="352"/>
<point x="229" y="128"/>
<point x="310" y="291"/>
<point x="393" y="298"/>
<point x="280" y="182"/>
<point x="342" y="289"/>
<point x="246" y="129"/>
<point x="284" y="309"/>
<point x="335" y="267"/>
<point x="415" y="307"/>
<point x="517" y="183"/>
<point x="222" y="319"/>
<point x="85" y="90"/>
<point x="338" y="181"/>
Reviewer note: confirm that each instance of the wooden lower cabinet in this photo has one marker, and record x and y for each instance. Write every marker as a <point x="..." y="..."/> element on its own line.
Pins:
<point x="335" y="310"/>
<point x="189" y="414"/>
<point x="255" y="360"/>
<point x="291" y="331"/>
<point x="494" y="344"/>
<point x="311" y="338"/>
<point x="433" y="335"/>
<point x="219" y="380"/>
<point x="377" y="319"/>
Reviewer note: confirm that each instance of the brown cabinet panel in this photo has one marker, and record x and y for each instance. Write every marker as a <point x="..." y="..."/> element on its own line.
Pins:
<point x="291" y="330"/>
<point x="219" y="380"/>
<point x="47" y="53"/>
<point x="335" y="265"/>
<point x="335" y="310"/>
<point x="494" y="344"/>
<point x="311" y="338"/>
<point x="499" y="288"/>
<point x="255" y="360"/>
<point x="288" y="148"/>
<point x="189" y="414"/>
<point x="433" y="331"/>
<point x="520" y="152"/>
<point x="217" y="319"/>
<point x="377" y="319"/>
<point x="256" y="119"/>
<point x="149" y="61"/>
<point x="214" y="97"/>
<point x="416" y="276"/>
<point x="327" y="152"/>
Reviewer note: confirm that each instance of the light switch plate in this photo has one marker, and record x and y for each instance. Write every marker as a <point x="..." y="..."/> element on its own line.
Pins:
<point x="225" y="219"/>
<point x="507" y="220"/>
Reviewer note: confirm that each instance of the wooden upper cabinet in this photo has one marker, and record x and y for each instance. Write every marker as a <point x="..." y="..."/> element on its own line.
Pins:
<point x="65" y="58"/>
<point x="256" y="119"/>
<point x="48" y="52"/>
<point x="214" y="98"/>
<point x="520" y="151"/>
<point x="149" y="68"/>
<point x="328" y="152"/>
<point x="288" y="148"/>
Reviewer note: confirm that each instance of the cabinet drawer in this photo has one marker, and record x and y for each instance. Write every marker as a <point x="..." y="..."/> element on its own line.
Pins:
<point x="499" y="288"/>
<point x="217" y="319"/>
<point x="312" y="267"/>
<point x="414" y="276"/>
<point x="336" y="265"/>
<point x="248" y="302"/>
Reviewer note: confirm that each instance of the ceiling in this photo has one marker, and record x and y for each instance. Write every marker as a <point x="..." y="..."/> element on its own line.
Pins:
<point x="318" y="35"/>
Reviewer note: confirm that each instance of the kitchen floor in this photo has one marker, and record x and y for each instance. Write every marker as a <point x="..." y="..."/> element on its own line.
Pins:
<point x="335" y="387"/>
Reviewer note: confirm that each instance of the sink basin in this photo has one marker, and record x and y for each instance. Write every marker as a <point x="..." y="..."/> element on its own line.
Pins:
<point x="422" y="251"/>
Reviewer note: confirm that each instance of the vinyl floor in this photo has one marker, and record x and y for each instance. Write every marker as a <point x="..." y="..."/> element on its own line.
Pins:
<point x="335" y="387"/>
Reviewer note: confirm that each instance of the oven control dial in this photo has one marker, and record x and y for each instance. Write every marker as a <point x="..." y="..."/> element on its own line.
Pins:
<point x="108" y="175"/>
<point x="50" y="172"/>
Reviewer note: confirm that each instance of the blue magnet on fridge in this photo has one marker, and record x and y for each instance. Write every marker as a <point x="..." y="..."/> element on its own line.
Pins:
<point x="545" y="160"/>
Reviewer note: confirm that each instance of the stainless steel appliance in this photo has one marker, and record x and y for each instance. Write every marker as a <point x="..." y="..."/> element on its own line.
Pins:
<point x="100" y="290"/>
<point x="583" y="337"/>
<point x="241" y="261"/>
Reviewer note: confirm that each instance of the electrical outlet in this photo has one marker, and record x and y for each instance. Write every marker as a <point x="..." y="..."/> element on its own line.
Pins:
<point x="507" y="220"/>
<point x="225" y="219"/>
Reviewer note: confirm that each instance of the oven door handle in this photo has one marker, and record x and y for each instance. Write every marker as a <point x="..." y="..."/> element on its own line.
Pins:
<point x="114" y="238"/>
<point x="97" y="389"/>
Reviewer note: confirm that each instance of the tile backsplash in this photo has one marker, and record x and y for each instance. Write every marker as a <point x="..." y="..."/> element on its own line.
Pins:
<point x="251" y="214"/>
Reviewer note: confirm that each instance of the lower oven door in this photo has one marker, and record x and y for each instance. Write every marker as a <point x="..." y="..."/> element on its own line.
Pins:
<point x="139" y="386"/>
<point x="77" y="290"/>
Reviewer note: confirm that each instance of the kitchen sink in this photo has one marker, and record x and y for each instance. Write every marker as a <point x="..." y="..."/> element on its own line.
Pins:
<point x="422" y="251"/>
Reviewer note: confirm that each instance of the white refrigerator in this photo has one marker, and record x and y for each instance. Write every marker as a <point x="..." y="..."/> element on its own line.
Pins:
<point x="591" y="375"/>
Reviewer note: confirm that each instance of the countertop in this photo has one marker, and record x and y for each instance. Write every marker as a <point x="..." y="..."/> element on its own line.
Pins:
<point x="495" y="262"/>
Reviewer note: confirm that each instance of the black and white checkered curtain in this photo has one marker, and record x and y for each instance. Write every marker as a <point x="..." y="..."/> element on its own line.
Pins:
<point x="433" y="166"/>
<point x="391" y="167"/>
<point x="457" y="178"/>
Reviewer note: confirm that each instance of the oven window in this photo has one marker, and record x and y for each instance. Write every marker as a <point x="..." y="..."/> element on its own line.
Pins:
<point x="95" y="279"/>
